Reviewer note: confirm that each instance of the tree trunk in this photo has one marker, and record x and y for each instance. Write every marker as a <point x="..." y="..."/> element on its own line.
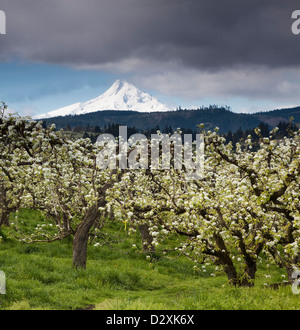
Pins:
<point x="4" y="213"/>
<point x="81" y="237"/>
<point x="290" y="271"/>
<point x="147" y="239"/>
<point x="231" y="274"/>
<point x="4" y="218"/>
<point x="250" y="272"/>
<point x="225" y="260"/>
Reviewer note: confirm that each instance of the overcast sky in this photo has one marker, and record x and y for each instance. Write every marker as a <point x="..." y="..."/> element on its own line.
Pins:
<point x="189" y="52"/>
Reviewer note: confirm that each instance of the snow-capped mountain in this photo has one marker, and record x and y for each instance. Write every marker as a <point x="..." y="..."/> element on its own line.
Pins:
<point x="120" y="96"/>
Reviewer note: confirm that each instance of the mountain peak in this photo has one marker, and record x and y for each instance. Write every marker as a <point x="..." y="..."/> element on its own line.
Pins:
<point x="118" y="84"/>
<point x="120" y="96"/>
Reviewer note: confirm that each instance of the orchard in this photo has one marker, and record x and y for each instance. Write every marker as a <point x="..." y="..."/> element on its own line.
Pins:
<point x="244" y="209"/>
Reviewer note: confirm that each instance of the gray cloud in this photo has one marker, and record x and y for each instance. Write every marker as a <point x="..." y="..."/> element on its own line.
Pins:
<point x="198" y="34"/>
<point x="185" y="48"/>
<point x="254" y="83"/>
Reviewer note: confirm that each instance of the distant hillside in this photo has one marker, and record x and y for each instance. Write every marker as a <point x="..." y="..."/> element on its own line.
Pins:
<point x="274" y="117"/>
<point x="212" y="117"/>
<point x="189" y="119"/>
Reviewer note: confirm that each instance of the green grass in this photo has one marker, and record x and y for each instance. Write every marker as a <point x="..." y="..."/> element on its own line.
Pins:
<point x="41" y="276"/>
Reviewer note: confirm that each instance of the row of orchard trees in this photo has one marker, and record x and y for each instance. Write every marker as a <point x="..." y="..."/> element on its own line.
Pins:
<point x="246" y="204"/>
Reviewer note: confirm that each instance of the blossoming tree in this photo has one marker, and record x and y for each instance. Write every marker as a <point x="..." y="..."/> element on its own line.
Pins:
<point x="42" y="170"/>
<point x="247" y="203"/>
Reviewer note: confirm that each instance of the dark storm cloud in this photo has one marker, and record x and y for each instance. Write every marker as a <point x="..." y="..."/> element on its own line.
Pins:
<point x="202" y="34"/>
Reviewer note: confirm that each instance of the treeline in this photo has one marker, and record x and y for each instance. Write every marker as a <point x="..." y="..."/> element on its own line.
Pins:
<point x="284" y="129"/>
<point x="92" y="133"/>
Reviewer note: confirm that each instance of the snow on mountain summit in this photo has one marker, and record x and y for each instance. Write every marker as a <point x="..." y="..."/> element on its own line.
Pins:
<point x="120" y="96"/>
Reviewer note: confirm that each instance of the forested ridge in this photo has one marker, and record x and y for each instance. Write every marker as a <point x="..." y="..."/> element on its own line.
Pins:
<point x="212" y="116"/>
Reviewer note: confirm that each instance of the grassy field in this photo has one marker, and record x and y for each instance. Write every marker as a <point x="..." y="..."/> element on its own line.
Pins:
<point x="41" y="276"/>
